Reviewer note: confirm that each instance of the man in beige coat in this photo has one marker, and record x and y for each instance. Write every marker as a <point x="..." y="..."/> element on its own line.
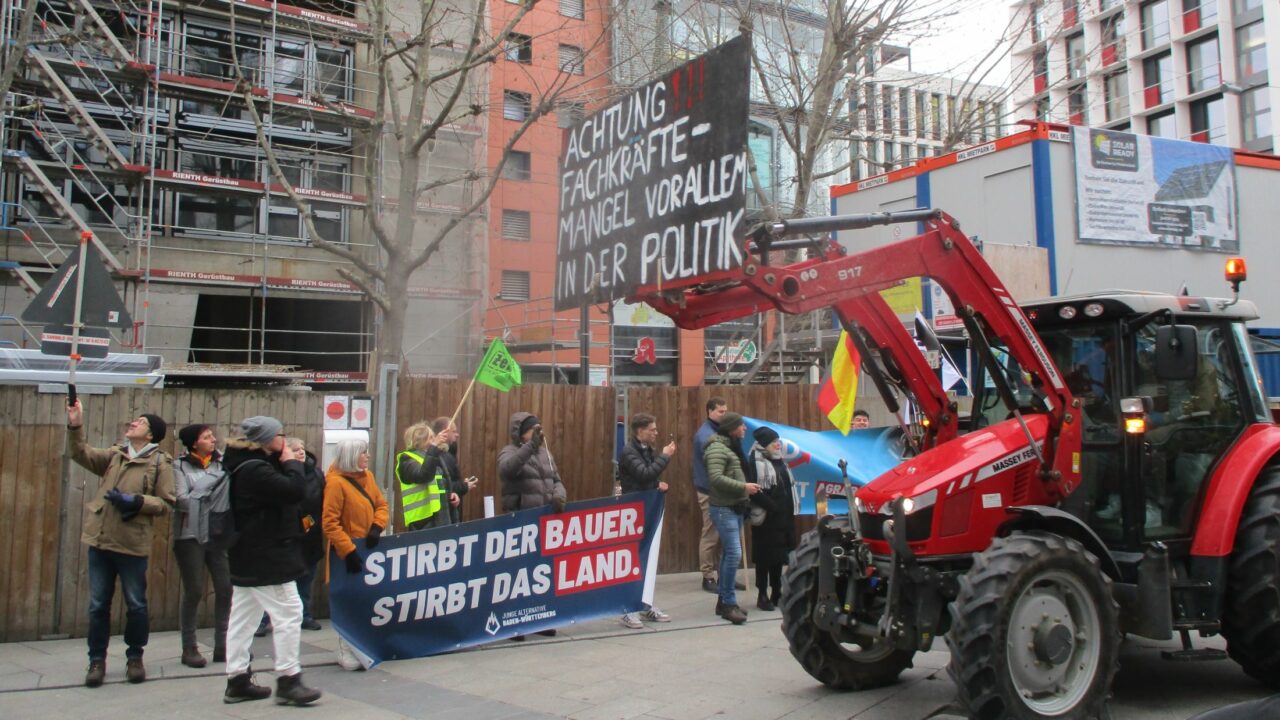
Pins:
<point x="136" y="487"/>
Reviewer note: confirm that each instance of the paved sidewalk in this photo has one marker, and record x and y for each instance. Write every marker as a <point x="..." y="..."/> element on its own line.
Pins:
<point x="695" y="667"/>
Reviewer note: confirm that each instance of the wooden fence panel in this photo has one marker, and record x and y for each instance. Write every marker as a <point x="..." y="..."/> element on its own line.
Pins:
<point x="42" y="494"/>
<point x="44" y="585"/>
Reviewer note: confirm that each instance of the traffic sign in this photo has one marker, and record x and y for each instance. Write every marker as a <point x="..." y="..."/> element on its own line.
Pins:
<point x="93" y="342"/>
<point x="56" y="302"/>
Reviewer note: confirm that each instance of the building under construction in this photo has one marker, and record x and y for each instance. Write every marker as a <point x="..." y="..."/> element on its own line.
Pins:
<point x="132" y="123"/>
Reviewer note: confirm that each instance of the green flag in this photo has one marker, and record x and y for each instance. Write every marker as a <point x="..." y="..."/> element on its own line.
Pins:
<point x="498" y="369"/>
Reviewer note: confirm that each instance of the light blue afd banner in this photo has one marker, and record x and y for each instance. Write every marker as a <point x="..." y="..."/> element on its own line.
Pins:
<point x="432" y="591"/>
<point x="814" y="456"/>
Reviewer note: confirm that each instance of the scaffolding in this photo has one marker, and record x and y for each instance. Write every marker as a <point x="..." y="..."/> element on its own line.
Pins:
<point x="128" y="120"/>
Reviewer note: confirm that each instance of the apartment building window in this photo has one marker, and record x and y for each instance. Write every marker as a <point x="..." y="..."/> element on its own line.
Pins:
<point x="1255" y="114"/>
<point x="1157" y="80"/>
<point x="1116" y="90"/>
<point x="1251" y="52"/>
<point x="1108" y="4"/>
<point x="1203" y="70"/>
<point x="1162" y="125"/>
<point x="1077" y="102"/>
<point x="1208" y="121"/>
<point x="1198" y="13"/>
<point x="1112" y="36"/>
<point x="1042" y="109"/>
<point x="1075" y="56"/>
<point x="886" y="109"/>
<point x="569" y="114"/>
<point x="921" y="115"/>
<point x="935" y="116"/>
<point x="515" y="285"/>
<point x="220" y="213"/>
<point x="888" y="156"/>
<point x="1039" y="26"/>
<point x="1243" y="6"/>
<point x="518" y="165"/>
<point x="571" y="8"/>
<point x="904" y="112"/>
<point x="515" y="225"/>
<point x="516" y="105"/>
<point x="1155" y="24"/>
<point x="1070" y="13"/>
<point x="871" y="107"/>
<point x="571" y="59"/>
<point x="873" y="157"/>
<point x="1040" y="71"/>
<point x="519" y="48"/>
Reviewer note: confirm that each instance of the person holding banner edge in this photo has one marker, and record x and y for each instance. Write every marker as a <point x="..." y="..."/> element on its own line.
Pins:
<point x="730" y="493"/>
<point x="527" y="473"/>
<point x="353" y="508"/>
<point x="639" y="469"/>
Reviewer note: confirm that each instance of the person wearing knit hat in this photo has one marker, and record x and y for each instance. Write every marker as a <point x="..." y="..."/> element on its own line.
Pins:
<point x="201" y="534"/>
<point x="261" y="429"/>
<point x="136" y="487"/>
<point x="730" y="422"/>
<point x="729" y="502"/>
<point x="269" y="485"/>
<point x="773" y="524"/>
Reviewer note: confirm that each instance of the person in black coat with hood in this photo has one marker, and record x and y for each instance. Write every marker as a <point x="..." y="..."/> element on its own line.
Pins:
<point x="774" y="536"/>
<point x="268" y="488"/>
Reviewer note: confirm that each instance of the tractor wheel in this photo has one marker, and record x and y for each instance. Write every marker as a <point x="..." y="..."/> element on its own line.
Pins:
<point x="1035" y="631"/>
<point x="1251" y="619"/>
<point x="838" y="665"/>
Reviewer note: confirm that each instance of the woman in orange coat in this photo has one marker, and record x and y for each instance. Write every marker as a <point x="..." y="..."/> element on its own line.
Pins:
<point x="353" y="508"/>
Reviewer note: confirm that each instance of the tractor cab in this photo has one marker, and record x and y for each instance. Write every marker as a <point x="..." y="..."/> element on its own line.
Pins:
<point x="1184" y="368"/>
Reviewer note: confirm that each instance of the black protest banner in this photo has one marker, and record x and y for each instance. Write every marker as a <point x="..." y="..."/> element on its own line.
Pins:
<point x="652" y="187"/>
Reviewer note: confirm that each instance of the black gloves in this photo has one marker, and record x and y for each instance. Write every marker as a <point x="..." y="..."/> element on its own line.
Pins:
<point x="371" y="540"/>
<point x="127" y="503"/>
<point x="538" y="438"/>
<point x="354" y="563"/>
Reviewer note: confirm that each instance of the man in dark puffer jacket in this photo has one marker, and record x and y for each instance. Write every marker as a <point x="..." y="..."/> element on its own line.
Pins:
<point x="268" y="487"/>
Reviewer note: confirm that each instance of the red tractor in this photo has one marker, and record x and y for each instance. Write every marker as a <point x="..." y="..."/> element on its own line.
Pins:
<point x="1119" y="473"/>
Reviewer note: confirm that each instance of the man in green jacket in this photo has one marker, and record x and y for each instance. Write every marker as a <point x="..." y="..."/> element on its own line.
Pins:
<point x="729" y="491"/>
<point x="137" y="486"/>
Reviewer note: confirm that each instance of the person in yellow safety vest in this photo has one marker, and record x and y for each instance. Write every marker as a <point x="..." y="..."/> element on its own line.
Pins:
<point x="421" y="474"/>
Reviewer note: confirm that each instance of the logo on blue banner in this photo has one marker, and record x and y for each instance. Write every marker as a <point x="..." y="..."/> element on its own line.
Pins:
<point x="814" y="459"/>
<point x="432" y="591"/>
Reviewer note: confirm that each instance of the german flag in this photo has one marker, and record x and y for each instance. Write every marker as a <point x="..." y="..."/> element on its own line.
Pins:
<point x="839" y="392"/>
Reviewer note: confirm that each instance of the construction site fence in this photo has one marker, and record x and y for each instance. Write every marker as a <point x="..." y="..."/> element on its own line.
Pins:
<point x="44" y="590"/>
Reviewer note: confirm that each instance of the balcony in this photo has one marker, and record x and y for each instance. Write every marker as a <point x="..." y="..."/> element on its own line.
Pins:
<point x="1112" y="53"/>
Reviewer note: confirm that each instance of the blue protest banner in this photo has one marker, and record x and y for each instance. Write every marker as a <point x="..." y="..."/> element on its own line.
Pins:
<point x="814" y="456"/>
<point x="432" y="591"/>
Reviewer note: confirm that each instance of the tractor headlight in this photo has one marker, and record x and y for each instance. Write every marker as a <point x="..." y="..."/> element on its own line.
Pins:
<point x="919" y="502"/>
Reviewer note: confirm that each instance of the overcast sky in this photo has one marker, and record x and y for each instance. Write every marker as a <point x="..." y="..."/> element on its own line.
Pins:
<point x="962" y="40"/>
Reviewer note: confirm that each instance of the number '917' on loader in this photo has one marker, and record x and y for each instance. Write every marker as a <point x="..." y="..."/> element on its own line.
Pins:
<point x="1119" y="473"/>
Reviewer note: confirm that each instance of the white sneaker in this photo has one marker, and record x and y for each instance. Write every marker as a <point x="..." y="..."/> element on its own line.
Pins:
<point x="653" y="614"/>
<point x="347" y="659"/>
<point x="632" y="621"/>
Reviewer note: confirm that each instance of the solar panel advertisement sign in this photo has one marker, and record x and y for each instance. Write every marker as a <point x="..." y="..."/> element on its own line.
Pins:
<point x="1155" y="192"/>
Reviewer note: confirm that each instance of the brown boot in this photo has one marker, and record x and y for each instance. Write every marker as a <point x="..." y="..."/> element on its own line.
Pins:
<point x="241" y="688"/>
<point x="134" y="671"/>
<point x="734" y="614"/>
<point x="291" y="691"/>
<point x="191" y="657"/>
<point x="96" y="674"/>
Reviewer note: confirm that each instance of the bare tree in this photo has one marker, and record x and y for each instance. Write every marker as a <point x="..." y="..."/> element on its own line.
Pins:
<point x="430" y="61"/>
